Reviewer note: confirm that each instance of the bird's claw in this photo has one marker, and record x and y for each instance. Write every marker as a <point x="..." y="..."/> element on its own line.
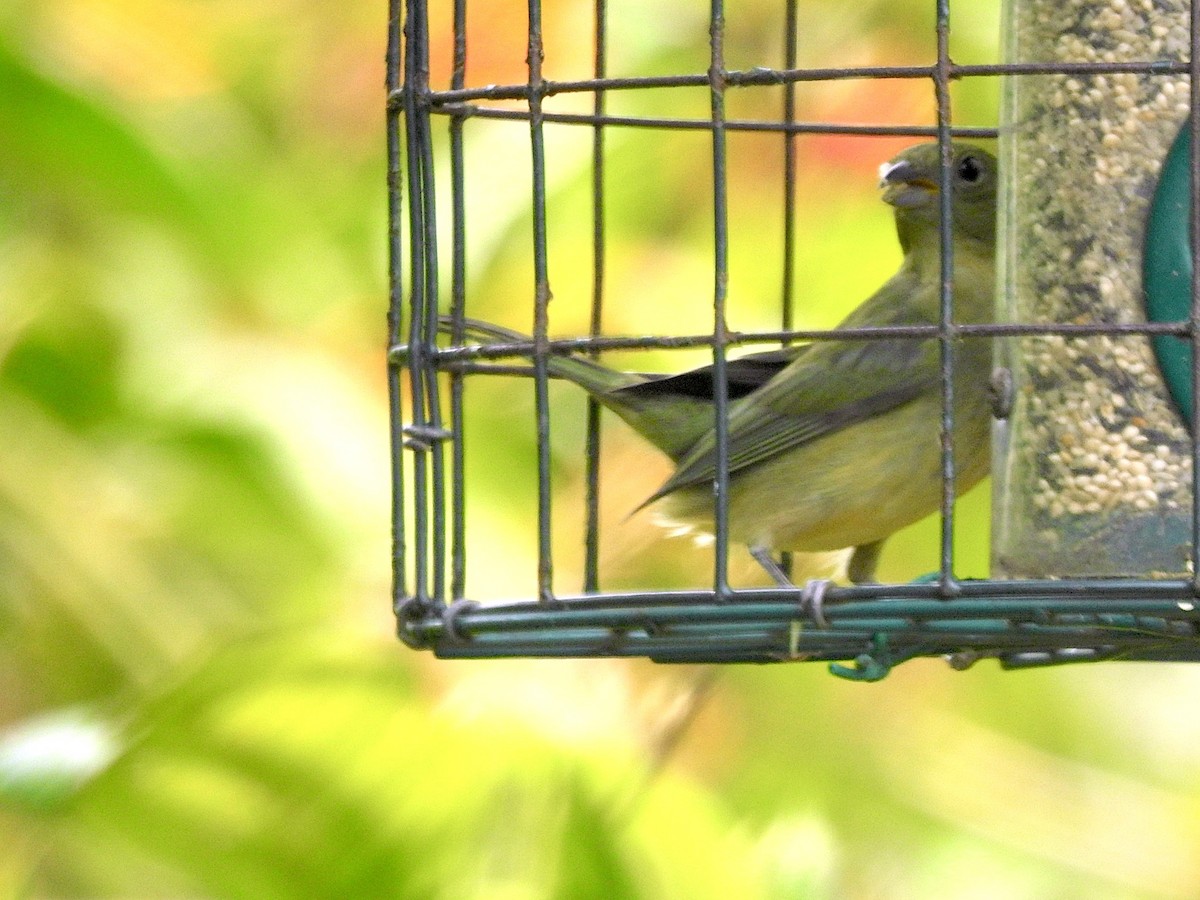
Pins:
<point x="812" y="600"/>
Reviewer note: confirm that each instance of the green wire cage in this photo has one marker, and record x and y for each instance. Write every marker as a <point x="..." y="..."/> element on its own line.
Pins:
<point x="1095" y="520"/>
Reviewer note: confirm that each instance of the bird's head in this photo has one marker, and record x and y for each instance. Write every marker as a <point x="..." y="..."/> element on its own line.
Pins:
<point x="911" y="183"/>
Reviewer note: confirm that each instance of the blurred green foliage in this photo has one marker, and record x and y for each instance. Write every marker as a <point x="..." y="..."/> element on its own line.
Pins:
<point x="199" y="690"/>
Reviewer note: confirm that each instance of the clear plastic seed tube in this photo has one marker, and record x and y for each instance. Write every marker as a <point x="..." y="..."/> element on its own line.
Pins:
<point x="1093" y="474"/>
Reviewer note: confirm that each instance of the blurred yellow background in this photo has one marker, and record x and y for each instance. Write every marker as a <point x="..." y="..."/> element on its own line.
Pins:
<point x="200" y="693"/>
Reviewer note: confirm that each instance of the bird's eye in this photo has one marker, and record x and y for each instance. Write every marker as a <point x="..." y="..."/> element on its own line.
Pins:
<point x="969" y="169"/>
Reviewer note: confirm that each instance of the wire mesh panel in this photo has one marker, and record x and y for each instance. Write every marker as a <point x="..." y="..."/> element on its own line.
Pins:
<point x="445" y="172"/>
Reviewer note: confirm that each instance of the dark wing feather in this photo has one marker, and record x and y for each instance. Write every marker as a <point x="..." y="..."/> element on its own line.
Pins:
<point x="744" y="375"/>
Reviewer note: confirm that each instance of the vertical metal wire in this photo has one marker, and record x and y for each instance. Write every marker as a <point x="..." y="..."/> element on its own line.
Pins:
<point x="788" y="297"/>
<point x="431" y="442"/>
<point x="591" y="562"/>
<point x="1194" y="321"/>
<point x="716" y="80"/>
<point x="545" y="572"/>
<point x="946" y="333"/>
<point x="458" y="302"/>
<point x="395" y="308"/>
<point x="416" y="120"/>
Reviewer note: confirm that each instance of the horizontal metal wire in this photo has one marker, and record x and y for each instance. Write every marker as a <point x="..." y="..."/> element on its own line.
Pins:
<point x="398" y="353"/>
<point x="880" y="614"/>
<point x="467" y="110"/>
<point x="760" y="77"/>
<point x="765" y="647"/>
<point x="1168" y="592"/>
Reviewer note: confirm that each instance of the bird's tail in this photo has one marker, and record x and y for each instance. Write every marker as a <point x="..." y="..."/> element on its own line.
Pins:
<point x="598" y="380"/>
<point x="669" y="419"/>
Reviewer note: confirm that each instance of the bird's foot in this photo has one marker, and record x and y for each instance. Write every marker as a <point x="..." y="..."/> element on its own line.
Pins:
<point x="812" y="594"/>
<point x="812" y="605"/>
<point x="812" y="599"/>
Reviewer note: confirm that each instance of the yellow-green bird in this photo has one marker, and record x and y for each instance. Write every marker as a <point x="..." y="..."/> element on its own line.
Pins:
<point x="835" y="443"/>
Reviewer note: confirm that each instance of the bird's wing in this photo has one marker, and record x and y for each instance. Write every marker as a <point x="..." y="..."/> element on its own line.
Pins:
<point x="833" y="385"/>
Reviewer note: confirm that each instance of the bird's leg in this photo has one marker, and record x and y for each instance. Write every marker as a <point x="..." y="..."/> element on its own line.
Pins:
<point x="860" y="570"/>
<point x="864" y="559"/>
<point x="762" y="556"/>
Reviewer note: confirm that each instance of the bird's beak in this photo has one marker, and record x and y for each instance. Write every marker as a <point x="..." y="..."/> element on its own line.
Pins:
<point x="905" y="186"/>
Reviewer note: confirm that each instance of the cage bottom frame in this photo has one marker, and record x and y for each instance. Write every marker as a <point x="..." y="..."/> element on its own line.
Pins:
<point x="873" y="628"/>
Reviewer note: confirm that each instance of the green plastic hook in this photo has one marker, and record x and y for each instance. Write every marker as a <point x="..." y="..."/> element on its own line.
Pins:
<point x="873" y="665"/>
